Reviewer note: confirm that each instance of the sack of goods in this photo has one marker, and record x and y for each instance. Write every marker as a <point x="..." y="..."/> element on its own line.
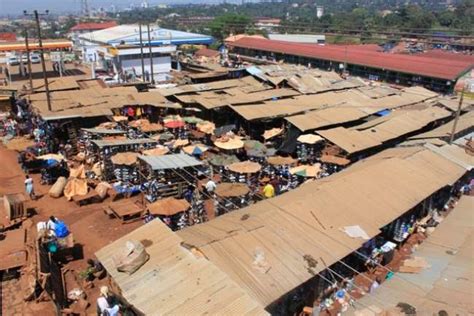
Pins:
<point x="57" y="189"/>
<point x="132" y="257"/>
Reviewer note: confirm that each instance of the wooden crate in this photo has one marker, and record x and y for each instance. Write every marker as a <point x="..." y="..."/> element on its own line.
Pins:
<point x="14" y="205"/>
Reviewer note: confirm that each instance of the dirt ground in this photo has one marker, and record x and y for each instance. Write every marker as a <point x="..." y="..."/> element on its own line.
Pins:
<point x="91" y="227"/>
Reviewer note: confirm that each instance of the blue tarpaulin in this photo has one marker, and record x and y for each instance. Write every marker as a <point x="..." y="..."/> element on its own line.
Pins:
<point x="383" y="112"/>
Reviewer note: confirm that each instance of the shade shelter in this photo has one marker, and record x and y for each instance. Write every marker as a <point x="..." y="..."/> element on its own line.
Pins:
<point x="168" y="175"/>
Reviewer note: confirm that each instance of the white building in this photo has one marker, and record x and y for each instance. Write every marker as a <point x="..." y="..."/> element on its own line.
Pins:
<point x="119" y="47"/>
<point x="299" y="38"/>
<point x="126" y="61"/>
<point x="319" y="11"/>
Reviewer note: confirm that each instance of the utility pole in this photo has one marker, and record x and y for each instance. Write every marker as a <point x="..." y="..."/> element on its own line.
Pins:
<point x="151" y="53"/>
<point x="30" y="76"/>
<point x="40" y="44"/>
<point x="456" y="118"/>
<point x="141" y="50"/>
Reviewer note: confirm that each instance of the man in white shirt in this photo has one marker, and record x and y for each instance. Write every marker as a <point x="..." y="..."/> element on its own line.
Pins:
<point x="210" y="186"/>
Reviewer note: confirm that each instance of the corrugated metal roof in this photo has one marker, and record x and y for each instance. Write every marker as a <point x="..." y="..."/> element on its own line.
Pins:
<point x="176" y="161"/>
<point x="447" y="284"/>
<point x="130" y="34"/>
<point x="448" y="68"/>
<point x="104" y="131"/>
<point x="119" y="142"/>
<point x="272" y="229"/>
<point x="175" y="281"/>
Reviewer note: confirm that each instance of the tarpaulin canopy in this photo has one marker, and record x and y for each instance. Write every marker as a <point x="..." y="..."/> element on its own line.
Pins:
<point x="229" y="143"/>
<point x="245" y="167"/>
<point x="127" y="158"/>
<point x="280" y="161"/>
<point x="223" y="160"/>
<point x="158" y="151"/>
<point x="268" y="134"/>
<point x="227" y="189"/>
<point x="196" y="149"/>
<point x="168" y="206"/>
<point x="306" y="170"/>
<point x="309" y="139"/>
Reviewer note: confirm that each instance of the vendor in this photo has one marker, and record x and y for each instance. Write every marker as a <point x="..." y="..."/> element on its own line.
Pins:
<point x="107" y="303"/>
<point x="96" y="268"/>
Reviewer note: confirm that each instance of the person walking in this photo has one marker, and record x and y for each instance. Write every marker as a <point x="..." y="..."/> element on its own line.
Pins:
<point x="29" y="187"/>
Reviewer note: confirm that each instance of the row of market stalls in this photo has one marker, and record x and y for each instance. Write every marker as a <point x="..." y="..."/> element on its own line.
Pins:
<point x="320" y="228"/>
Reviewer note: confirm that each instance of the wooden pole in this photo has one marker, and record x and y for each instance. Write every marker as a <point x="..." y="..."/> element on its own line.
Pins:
<point x="456" y="119"/>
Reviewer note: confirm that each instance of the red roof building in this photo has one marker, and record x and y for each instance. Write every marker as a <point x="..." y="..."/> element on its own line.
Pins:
<point x="405" y="68"/>
<point x="7" y="37"/>
<point x="92" y="26"/>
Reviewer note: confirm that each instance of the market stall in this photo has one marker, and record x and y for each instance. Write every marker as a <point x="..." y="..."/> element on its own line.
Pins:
<point x="308" y="147"/>
<point x="103" y="150"/>
<point x="231" y="196"/>
<point x="168" y="175"/>
<point x="176" y="213"/>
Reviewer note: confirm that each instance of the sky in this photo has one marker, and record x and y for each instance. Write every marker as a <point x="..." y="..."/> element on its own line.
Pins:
<point x="60" y="6"/>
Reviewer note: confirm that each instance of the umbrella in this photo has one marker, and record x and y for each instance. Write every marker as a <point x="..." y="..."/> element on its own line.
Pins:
<point x="138" y="123"/>
<point x="174" y="124"/>
<point x="196" y="149"/>
<point x="245" y="167"/>
<point x="231" y="189"/>
<point x="192" y="119"/>
<point x="168" y="206"/>
<point x="309" y="139"/>
<point x="306" y="170"/>
<point x="171" y="118"/>
<point x="179" y="143"/>
<point x="280" y="161"/>
<point x="254" y="144"/>
<point x="164" y="136"/>
<point x="127" y="158"/>
<point x="229" y="143"/>
<point x="206" y="127"/>
<point x="158" y="151"/>
<point x="272" y="133"/>
<point x="223" y="160"/>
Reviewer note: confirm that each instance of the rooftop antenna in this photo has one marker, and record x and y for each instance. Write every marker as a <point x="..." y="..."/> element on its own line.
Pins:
<point x="85" y="7"/>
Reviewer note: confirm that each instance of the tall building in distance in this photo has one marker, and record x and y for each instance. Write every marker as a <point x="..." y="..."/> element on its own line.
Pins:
<point x="319" y="11"/>
<point x="144" y="4"/>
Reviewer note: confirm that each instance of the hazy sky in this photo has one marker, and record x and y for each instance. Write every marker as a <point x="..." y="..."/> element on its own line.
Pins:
<point x="17" y="6"/>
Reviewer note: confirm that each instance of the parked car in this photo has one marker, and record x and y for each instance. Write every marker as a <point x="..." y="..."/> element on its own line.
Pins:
<point x="35" y="59"/>
<point x="13" y="61"/>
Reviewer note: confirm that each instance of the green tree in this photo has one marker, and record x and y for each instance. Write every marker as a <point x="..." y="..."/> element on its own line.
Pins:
<point x="229" y="23"/>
